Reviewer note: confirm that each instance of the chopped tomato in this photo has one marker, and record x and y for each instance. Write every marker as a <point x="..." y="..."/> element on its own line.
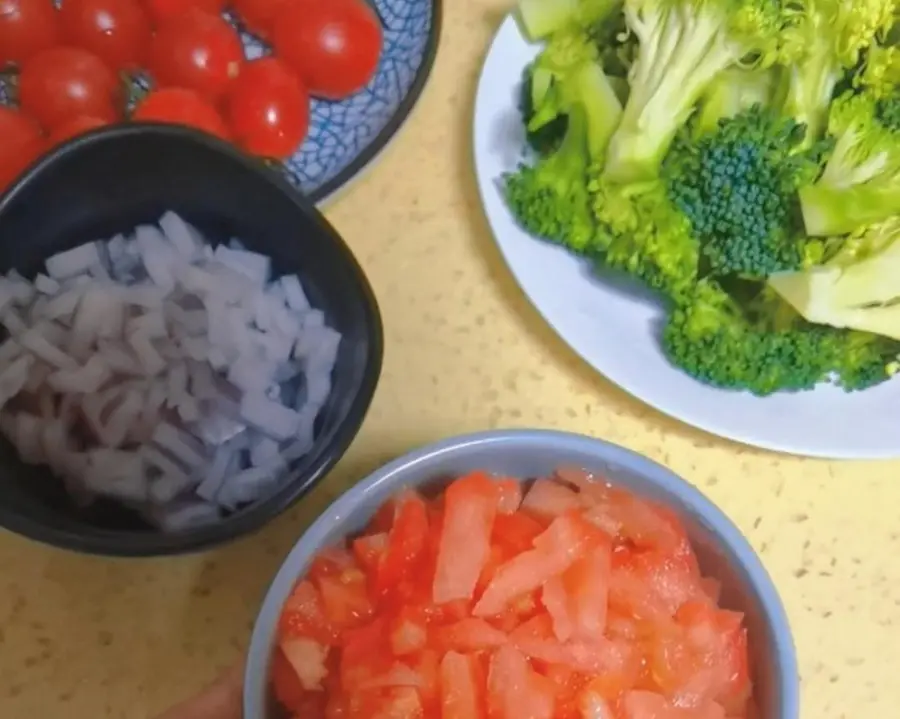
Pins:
<point x="345" y="599"/>
<point x="409" y="631"/>
<point x="368" y="551"/>
<point x="285" y="682"/>
<point x="516" y="532"/>
<point x="547" y="499"/>
<point x="515" y="690"/>
<point x="307" y="657"/>
<point x="304" y="616"/>
<point x="459" y="689"/>
<point x="469" y="635"/>
<point x="510" y="495"/>
<point x="406" y="543"/>
<point x="470" y="505"/>
<point x="586" y="583"/>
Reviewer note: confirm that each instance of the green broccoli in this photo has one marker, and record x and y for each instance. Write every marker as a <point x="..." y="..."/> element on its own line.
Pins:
<point x="731" y="93"/>
<point x="738" y="188"/>
<point x="617" y="46"/>
<point x="829" y="37"/>
<point x="547" y="135"/>
<point x="683" y="46"/>
<point x="643" y="234"/>
<point x="542" y="18"/>
<point x="550" y="199"/>
<point x="860" y="184"/>
<point x="709" y="336"/>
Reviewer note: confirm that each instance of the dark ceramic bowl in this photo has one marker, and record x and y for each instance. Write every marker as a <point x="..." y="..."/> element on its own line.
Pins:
<point x="722" y="550"/>
<point x="113" y="179"/>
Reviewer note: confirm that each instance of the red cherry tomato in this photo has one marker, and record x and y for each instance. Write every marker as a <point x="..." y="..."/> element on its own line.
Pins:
<point x="179" y="106"/>
<point x="75" y="127"/>
<point x="196" y="50"/>
<point x="22" y="143"/>
<point x="161" y="11"/>
<point x="334" y="45"/>
<point x="26" y="27"/>
<point x="268" y="109"/>
<point x="117" y="31"/>
<point x="65" y="82"/>
<point x="258" y="16"/>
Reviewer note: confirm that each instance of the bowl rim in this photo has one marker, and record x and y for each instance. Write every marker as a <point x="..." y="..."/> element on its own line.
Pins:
<point x="330" y="189"/>
<point x="114" y="543"/>
<point x="732" y="540"/>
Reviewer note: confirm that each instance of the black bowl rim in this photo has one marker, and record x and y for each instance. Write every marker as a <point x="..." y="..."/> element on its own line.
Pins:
<point x="398" y="119"/>
<point x="248" y="521"/>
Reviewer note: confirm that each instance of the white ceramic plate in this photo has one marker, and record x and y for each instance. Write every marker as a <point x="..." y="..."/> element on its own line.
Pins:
<point x="614" y="329"/>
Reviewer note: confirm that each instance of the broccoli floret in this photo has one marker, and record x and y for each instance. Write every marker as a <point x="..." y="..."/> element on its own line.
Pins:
<point x="711" y="338"/>
<point x="643" y="234"/>
<point x="617" y="45"/>
<point x="542" y="18"/>
<point x="860" y="184"/>
<point x="880" y="72"/>
<point x="683" y="46"/>
<point x="738" y="188"/>
<point x="546" y="137"/>
<point x="550" y="199"/>
<point x="829" y="36"/>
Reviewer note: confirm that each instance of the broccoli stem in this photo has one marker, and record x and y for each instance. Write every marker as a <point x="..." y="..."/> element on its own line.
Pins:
<point x="678" y="57"/>
<point x="540" y="18"/>
<point x="809" y="89"/>
<point x="833" y="210"/>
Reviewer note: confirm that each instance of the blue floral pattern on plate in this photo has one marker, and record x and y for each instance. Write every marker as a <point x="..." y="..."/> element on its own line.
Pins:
<point x="345" y="136"/>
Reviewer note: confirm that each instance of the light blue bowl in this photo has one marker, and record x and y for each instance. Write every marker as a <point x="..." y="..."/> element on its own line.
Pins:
<point x="723" y="551"/>
<point x="344" y="137"/>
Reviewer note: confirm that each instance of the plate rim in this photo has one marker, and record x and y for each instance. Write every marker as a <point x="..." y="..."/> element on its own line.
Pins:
<point x="793" y="449"/>
<point x="329" y="190"/>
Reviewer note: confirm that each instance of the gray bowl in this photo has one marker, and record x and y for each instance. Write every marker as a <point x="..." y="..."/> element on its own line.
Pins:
<point x="723" y="551"/>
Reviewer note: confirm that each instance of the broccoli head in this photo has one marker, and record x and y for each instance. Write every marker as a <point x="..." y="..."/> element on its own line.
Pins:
<point x="542" y="18"/>
<point x="737" y="186"/>
<point x="714" y="340"/>
<point x="829" y="37"/>
<point x="643" y="234"/>
<point x="550" y="198"/>
<point x="860" y="184"/>
<point x="683" y="45"/>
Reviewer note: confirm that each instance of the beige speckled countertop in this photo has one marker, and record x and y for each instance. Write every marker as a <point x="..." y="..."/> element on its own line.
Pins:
<point x="86" y="638"/>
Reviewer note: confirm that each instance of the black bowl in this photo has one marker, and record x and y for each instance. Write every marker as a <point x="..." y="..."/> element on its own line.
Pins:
<point x="108" y="182"/>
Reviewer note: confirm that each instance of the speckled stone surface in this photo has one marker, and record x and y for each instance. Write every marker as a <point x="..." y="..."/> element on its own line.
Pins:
<point x="85" y="638"/>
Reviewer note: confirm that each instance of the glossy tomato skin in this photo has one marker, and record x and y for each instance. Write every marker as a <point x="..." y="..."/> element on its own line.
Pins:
<point x="26" y="28"/>
<point x="64" y="82"/>
<point x="74" y="127"/>
<point x="116" y="31"/>
<point x="334" y="45"/>
<point x="268" y="109"/>
<point x="196" y="50"/>
<point x="180" y="106"/>
<point x="258" y="16"/>
<point x="22" y="142"/>
<point x="161" y="11"/>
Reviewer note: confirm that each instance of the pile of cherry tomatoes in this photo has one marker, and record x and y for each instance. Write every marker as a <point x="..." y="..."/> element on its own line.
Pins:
<point x="73" y="68"/>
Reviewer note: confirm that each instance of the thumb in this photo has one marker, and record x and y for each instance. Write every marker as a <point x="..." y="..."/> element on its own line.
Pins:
<point x="221" y="700"/>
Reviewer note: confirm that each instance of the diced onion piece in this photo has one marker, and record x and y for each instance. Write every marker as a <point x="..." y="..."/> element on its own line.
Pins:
<point x="73" y="262"/>
<point x="270" y="418"/>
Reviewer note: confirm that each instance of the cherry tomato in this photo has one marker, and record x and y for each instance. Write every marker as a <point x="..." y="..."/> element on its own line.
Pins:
<point x="161" y="11"/>
<point x="334" y="45"/>
<point x="117" y="31"/>
<point x="179" y="106"/>
<point x="22" y="143"/>
<point x="65" y="82"/>
<point x="75" y="127"/>
<point x="26" y="27"/>
<point x="198" y="51"/>
<point x="258" y="16"/>
<point x="268" y="109"/>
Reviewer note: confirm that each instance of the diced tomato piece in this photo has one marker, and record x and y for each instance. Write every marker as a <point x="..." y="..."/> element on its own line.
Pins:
<point x="345" y="598"/>
<point x="427" y="665"/>
<point x="285" y="683"/>
<point x="409" y="631"/>
<point x="459" y="689"/>
<point x="515" y="690"/>
<point x="303" y="616"/>
<point x="515" y="533"/>
<point x="308" y="658"/>
<point x="399" y="703"/>
<point x="470" y="505"/>
<point x="712" y="588"/>
<point x="548" y="499"/>
<point x="650" y="705"/>
<point x="510" y="496"/>
<point x="330" y="562"/>
<point x="567" y="686"/>
<point x="368" y="551"/>
<point x="557" y="602"/>
<point x="406" y="543"/>
<point x="567" y="539"/>
<point x="586" y="584"/>
<point x="383" y="520"/>
<point x="592" y="705"/>
<point x="652" y="585"/>
<point x="469" y="635"/>
<point x="363" y="655"/>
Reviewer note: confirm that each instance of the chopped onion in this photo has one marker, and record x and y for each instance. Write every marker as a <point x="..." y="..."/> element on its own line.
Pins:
<point x="156" y="370"/>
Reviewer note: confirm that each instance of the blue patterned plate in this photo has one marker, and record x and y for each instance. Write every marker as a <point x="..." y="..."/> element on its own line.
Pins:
<point x="344" y="137"/>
